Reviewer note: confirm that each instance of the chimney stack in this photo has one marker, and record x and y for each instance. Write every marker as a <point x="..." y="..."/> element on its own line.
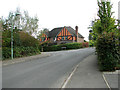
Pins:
<point x="76" y="28"/>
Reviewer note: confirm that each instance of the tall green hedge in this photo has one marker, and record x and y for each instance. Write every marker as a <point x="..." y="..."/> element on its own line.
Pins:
<point x="107" y="52"/>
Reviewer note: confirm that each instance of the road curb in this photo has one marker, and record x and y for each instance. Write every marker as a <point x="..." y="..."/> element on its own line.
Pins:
<point x="105" y="77"/>
<point x="72" y="73"/>
<point x="69" y="77"/>
<point x="106" y="82"/>
<point x="23" y="59"/>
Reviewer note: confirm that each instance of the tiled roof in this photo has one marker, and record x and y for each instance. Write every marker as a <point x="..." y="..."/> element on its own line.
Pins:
<point x="54" y="32"/>
<point x="73" y="32"/>
<point x="47" y="33"/>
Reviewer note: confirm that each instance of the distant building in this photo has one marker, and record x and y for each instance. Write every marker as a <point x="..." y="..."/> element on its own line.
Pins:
<point x="62" y="35"/>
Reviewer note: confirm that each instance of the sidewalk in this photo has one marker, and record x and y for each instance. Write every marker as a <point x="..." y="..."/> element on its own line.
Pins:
<point x="18" y="60"/>
<point x="88" y="75"/>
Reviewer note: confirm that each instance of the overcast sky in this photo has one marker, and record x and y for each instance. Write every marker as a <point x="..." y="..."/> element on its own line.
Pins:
<point x="58" y="13"/>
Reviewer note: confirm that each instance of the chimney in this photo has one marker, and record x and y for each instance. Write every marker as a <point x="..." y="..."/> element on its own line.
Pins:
<point x="76" y="28"/>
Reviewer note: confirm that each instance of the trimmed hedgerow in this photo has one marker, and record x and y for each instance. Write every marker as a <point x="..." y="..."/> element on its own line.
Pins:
<point x="107" y="52"/>
<point x="59" y="47"/>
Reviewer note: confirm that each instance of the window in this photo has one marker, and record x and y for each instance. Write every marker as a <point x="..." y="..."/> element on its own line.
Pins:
<point x="43" y="39"/>
<point x="54" y="39"/>
<point x="66" y="38"/>
<point x="62" y="38"/>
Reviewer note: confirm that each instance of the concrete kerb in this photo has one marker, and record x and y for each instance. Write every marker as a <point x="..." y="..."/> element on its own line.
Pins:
<point x="23" y="59"/>
<point x="71" y="74"/>
<point x="105" y="78"/>
<point x="111" y="79"/>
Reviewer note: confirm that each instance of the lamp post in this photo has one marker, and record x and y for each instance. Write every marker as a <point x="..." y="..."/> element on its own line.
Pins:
<point x="17" y="14"/>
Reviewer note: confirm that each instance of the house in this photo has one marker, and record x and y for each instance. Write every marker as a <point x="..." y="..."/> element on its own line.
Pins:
<point x="62" y="35"/>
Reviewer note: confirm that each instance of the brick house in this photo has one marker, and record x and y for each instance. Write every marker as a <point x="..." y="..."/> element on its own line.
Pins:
<point x="62" y="35"/>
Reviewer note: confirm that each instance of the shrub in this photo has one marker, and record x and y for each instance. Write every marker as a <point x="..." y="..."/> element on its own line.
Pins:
<point x="6" y="38"/>
<point x="19" y="51"/>
<point x="85" y="44"/>
<point x="91" y="43"/>
<point x="67" y="45"/>
<point x="106" y="51"/>
<point x="6" y="52"/>
<point x="52" y="48"/>
<point x="28" y="40"/>
<point x="72" y="45"/>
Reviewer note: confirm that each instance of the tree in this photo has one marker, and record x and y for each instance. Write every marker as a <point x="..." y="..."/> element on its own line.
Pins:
<point x="41" y="32"/>
<point x="22" y="22"/>
<point x="30" y="24"/>
<point x="106" y="22"/>
<point x="105" y="29"/>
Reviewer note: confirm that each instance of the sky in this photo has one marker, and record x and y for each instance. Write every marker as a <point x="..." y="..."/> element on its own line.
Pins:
<point x="59" y="13"/>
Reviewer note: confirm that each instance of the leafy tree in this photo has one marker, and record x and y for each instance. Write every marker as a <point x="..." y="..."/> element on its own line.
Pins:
<point x="41" y="32"/>
<point x="106" y="22"/>
<point x="28" y="40"/>
<point x="20" y="22"/>
<point x="30" y="24"/>
<point x="105" y="36"/>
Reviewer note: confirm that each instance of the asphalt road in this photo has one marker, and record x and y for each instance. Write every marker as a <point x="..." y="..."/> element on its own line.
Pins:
<point x="48" y="72"/>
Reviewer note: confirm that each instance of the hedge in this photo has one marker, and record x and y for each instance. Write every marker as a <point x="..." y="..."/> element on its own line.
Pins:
<point x="107" y="52"/>
<point x="58" y="47"/>
<point x="19" y="52"/>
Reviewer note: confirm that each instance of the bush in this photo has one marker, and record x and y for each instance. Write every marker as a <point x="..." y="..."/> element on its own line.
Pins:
<point x="6" y="38"/>
<point x="72" y="45"/>
<point x="19" y="52"/>
<point x="106" y="51"/>
<point x="6" y="52"/>
<point x="58" y="47"/>
<point x="85" y="44"/>
<point x="91" y="43"/>
<point x="28" y="40"/>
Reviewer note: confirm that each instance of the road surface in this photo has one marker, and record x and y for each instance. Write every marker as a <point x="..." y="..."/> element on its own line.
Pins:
<point x="48" y="72"/>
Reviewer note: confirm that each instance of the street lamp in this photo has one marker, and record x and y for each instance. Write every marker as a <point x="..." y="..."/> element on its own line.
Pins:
<point x="17" y="14"/>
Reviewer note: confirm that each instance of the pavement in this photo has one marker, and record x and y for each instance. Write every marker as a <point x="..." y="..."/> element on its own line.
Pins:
<point x="87" y="75"/>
